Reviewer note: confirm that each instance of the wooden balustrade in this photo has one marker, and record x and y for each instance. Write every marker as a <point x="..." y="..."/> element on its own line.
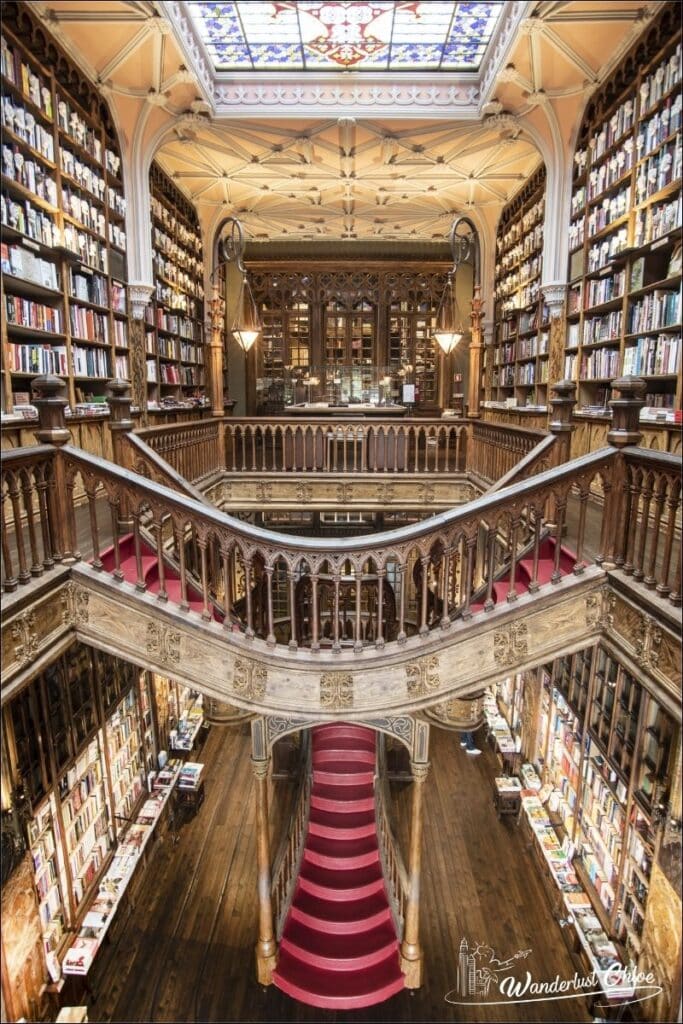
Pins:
<point x="271" y="444"/>
<point x="193" y="450"/>
<point x="496" y="449"/>
<point x="287" y="861"/>
<point x="431" y="572"/>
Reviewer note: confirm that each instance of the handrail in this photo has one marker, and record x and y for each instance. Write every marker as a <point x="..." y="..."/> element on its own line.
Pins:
<point x="533" y="460"/>
<point x="287" y="861"/>
<point x="148" y="462"/>
<point x="193" y="449"/>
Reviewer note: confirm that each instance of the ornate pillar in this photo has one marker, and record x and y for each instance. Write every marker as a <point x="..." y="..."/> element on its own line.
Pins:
<point x="139" y="295"/>
<point x="554" y="297"/>
<point x="562" y="405"/>
<point x="120" y="424"/>
<point x="51" y="405"/>
<point x="266" y="947"/>
<point x="411" y="952"/>
<point x="474" y="379"/>
<point x="215" y="367"/>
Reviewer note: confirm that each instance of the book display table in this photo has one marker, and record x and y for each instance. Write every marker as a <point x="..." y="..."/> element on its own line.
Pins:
<point x="507" y="796"/>
<point x="190" y="789"/>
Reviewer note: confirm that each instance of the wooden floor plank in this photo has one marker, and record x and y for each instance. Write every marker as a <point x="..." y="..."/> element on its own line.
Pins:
<point x="187" y="953"/>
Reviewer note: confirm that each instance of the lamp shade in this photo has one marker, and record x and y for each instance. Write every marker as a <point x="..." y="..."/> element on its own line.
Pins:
<point x="447" y="339"/>
<point x="246" y="326"/>
<point x="448" y="331"/>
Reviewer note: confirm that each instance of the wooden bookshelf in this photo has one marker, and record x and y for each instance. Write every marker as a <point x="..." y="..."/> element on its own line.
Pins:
<point x="623" y="310"/>
<point x="174" y="320"/>
<point x="605" y="750"/>
<point x="518" y="369"/>
<point x="63" y="218"/>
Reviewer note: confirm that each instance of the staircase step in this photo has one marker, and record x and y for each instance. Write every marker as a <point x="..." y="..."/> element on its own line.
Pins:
<point x="339" y="952"/>
<point x="340" y="730"/>
<point x="339" y="798"/>
<point x="338" y="990"/>
<point x="334" y="852"/>
<point x="323" y="755"/>
<point x="348" y="917"/>
<point x="340" y="883"/>
<point x="343" y="825"/>
<point x="344" y="774"/>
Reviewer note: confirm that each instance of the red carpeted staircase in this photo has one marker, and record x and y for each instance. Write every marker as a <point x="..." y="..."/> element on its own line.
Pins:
<point x="339" y="948"/>
<point x="150" y="572"/>
<point x="525" y="568"/>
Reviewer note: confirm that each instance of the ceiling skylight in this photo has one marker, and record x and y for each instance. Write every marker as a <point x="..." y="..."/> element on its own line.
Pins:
<point x="316" y="35"/>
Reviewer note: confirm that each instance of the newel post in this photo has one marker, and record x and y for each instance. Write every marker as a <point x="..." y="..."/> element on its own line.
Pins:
<point x="266" y="947"/>
<point x="52" y="404"/>
<point x="625" y="430"/>
<point x="119" y="399"/>
<point x="412" y="958"/>
<point x="562" y="404"/>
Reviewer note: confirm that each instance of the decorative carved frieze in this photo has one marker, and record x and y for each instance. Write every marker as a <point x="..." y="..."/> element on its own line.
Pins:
<point x="336" y="690"/>
<point x="459" y="713"/>
<point x="24" y="637"/>
<point x="304" y="493"/>
<point x="400" y="726"/>
<point x="426" y="493"/>
<point x="422" y="676"/>
<point x="75" y="601"/>
<point x="386" y="493"/>
<point x="279" y="725"/>
<point x="344" y="493"/>
<point x="249" y="679"/>
<point x="163" y="643"/>
<point x="264" y="491"/>
<point x="510" y="644"/>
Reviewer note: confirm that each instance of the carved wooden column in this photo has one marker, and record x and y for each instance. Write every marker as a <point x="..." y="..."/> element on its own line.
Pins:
<point x="139" y="295"/>
<point x="120" y="424"/>
<point x="51" y="405"/>
<point x="474" y="379"/>
<point x="562" y="405"/>
<point x="215" y="368"/>
<point x="266" y="947"/>
<point x="554" y="297"/>
<point x="411" y="951"/>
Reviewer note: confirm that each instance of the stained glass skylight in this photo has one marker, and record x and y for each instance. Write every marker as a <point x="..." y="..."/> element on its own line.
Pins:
<point x="317" y="35"/>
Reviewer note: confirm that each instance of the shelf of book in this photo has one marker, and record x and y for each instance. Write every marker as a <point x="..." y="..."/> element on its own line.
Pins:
<point x="126" y="768"/>
<point x="623" y="311"/>
<point x="63" y="247"/>
<point x="519" y="359"/>
<point x="174" y="319"/>
<point x="44" y="845"/>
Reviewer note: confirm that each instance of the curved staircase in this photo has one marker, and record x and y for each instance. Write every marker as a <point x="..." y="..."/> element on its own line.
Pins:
<point x="524" y="573"/>
<point x="339" y="948"/>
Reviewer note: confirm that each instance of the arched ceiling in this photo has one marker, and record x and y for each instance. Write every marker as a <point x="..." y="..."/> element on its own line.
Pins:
<point x="358" y="155"/>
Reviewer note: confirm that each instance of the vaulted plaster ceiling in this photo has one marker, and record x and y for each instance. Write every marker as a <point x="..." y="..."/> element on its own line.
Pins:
<point x="357" y="155"/>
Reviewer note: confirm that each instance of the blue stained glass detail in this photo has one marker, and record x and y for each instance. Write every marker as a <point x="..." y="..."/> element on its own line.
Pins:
<point x="355" y="34"/>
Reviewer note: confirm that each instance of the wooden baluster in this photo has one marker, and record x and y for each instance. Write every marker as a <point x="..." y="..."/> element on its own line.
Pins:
<point x="206" y="610"/>
<point x="336" y="646"/>
<point x="158" y="529"/>
<point x="291" y="580"/>
<point x="512" y="590"/>
<point x="270" y="638"/>
<point x="266" y="947"/>
<point x="227" y="586"/>
<point x="315" y="634"/>
<point x="411" y="958"/>
<point x="639" y="571"/>
<point x="419" y="438"/>
<point x="43" y="513"/>
<point x="23" y="575"/>
<point x="233" y="446"/>
<point x="424" y="562"/>
<point x="659" y="496"/>
<point x="375" y="435"/>
<point x="445" y="590"/>
<point x="114" y="507"/>
<point x="140" y="581"/>
<point x="490" y="561"/>
<point x="468" y="582"/>
<point x="538" y="522"/>
<point x="402" y="572"/>
<point x="379" y="638"/>
<point x="94" y="531"/>
<point x="632" y="523"/>
<point x="27" y="494"/>
<point x="71" y="517"/>
<point x="249" y="631"/>
<point x="10" y="581"/>
<point x="560" y="510"/>
<point x="358" y="639"/>
<point x="182" y="568"/>
<point x="672" y="502"/>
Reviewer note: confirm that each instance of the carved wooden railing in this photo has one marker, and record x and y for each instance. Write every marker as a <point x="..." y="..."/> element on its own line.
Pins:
<point x="287" y="862"/>
<point x="193" y="450"/>
<point x="393" y="867"/>
<point x="274" y="444"/>
<point x="497" y="449"/>
<point x="434" y="567"/>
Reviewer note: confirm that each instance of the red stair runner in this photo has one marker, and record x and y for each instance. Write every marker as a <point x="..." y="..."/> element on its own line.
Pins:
<point x="525" y="570"/>
<point x="150" y="573"/>
<point x="339" y="948"/>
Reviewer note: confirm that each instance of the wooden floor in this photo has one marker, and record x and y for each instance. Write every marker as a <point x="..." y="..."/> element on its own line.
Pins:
<point x="186" y="954"/>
